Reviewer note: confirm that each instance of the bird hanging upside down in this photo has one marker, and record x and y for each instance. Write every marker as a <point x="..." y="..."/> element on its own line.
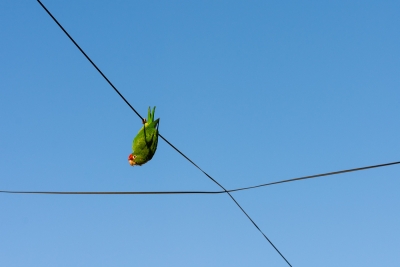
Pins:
<point x="145" y="143"/>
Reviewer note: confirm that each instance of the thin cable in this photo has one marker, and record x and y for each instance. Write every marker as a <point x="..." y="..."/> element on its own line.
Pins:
<point x="195" y="192"/>
<point x="317" y="175"/>
<point x="126" y="101"/>
<point x="111" y="193"/>
<point x="234" y="200"/>
<point x="87" y="57"/>
<point x="116" y="90"/>
<point x="191" y="160"/>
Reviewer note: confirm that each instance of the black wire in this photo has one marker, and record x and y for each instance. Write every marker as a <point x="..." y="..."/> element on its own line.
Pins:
<point x="94" y="65"/>
<point x="126" y="101"/>
<point x="48" y="12"/>
<point x="317" y="175"/>
<point x="111" y="193"/>
<point x="196" y="192"/>
<point x="277" y="250"/>
<point x="181" y="192"/>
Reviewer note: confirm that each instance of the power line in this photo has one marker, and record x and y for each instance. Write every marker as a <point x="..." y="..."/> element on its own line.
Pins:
<point x="317" y="175"/>
<point x="48" y="12"/>
<point x="88" y="58"/>
<point x="196" y="192"/>
<point x="234" y="200"/>
<point x="111" y="193"/>
<point x="178" y="192"/>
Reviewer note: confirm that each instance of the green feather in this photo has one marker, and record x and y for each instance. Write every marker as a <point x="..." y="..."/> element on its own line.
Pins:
<point x="145" y="143"/>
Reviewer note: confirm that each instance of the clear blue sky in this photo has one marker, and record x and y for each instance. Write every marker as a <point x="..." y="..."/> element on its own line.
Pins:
<point x="252" y="91"/>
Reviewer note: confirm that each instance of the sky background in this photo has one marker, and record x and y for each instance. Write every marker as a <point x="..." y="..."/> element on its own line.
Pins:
<point x="252" y="91"/>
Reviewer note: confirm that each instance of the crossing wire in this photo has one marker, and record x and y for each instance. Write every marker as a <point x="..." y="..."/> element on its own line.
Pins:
<point x="126" y="101"/>
<point x="187" y="158"/>
<point x="196" y="192"/>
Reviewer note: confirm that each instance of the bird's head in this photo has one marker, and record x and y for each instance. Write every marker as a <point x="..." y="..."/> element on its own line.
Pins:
<point x="131" y="159"/>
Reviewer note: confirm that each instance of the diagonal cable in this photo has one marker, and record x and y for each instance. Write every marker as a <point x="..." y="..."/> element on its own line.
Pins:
<point x="234" y="200"/>
<point x="317" y="175"/>
<point x="88" y="58"/>
<point x="126" y="101"/>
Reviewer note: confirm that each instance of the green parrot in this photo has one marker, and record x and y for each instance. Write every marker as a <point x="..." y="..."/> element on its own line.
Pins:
<point x="145" y="143"/>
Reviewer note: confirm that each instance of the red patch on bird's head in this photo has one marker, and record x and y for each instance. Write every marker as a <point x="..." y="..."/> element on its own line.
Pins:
<point x="131" y="160"/>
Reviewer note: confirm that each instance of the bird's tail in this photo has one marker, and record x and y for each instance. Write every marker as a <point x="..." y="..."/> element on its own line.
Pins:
<point x="150" y="115"/>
